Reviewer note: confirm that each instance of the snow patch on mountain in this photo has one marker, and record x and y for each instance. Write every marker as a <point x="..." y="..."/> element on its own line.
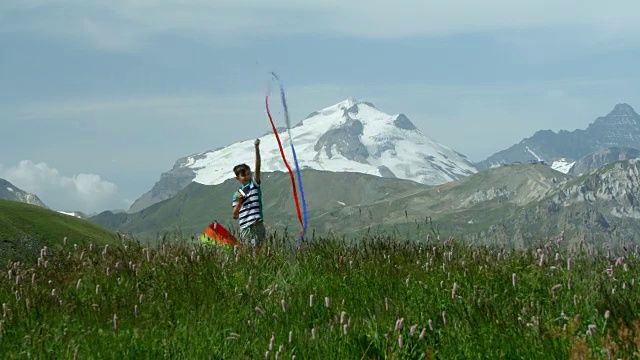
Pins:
<point x="72" y="213"/>
<point x="562" y="165"/>
<point x="534" y="154"/>
<point x="10" y="189"/>
<point x="350" y="136"/>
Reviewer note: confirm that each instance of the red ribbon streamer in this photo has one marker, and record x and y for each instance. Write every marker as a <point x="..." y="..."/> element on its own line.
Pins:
<point x="293" y="182"/>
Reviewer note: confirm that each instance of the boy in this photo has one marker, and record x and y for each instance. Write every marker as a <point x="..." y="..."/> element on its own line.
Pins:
<point x="247" y="203"/>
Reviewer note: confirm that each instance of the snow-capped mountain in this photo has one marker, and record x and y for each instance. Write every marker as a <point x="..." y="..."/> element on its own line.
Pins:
<point x="619" y="128"/>
<point x="10" y="192"/>
<point x="351" y="136"/>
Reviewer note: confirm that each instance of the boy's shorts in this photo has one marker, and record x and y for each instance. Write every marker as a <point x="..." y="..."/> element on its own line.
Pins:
<point x="254" y="234"/>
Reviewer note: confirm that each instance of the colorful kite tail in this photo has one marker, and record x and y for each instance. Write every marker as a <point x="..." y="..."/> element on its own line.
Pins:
<point x="295" y="157"/>
<point x="293" y="183"/>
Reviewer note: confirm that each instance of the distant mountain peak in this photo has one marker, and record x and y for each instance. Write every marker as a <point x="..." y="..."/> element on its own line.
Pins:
<point x="619" y="128"/>
<point x="623" y="109"/>
<point x="349" y="136"/>
<point x="9" y="191"/>
<point x="349" y="105"/>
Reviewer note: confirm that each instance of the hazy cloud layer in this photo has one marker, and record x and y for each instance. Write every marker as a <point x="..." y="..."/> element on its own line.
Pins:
<point x="124" y="25"/>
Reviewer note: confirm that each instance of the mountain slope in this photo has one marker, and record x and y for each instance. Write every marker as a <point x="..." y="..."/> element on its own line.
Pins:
<point x="10" y="192"/>
<point x="512" y="205"/>
<point x="619" y="128"/>
<point x="351" y="136"/>
<point x="601" y="207"/>
<point x="477" y="201"/>
<point x="26" y="228"/>
<point x="349" y="203"/>
<point x="197" y="205"/>
<point x="602" y="157"/>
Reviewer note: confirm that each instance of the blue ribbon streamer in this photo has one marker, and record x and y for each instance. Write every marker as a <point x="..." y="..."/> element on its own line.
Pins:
<point x="295" y="157"/>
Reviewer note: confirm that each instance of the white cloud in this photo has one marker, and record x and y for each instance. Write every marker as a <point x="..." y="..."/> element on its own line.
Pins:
<point x="84" y="192"/>
<point x="121" y="24"/>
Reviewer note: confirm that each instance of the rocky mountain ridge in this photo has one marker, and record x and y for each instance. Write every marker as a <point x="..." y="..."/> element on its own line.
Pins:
<point x="619" y="128"/>
<point x="8" y="191"/>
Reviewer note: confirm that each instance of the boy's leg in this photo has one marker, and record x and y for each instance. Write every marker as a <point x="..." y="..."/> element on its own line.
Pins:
<point x="257" y="236"/>
<point x="260" y="234"/>
<point x="245" y="238"/>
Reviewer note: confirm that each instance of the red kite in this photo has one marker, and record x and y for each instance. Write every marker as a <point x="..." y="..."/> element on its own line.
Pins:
<point x="216" y="234"/>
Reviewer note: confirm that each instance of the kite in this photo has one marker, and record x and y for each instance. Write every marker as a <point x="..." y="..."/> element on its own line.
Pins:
<point x="303" y="222"/>
<point x="216" y="234"/>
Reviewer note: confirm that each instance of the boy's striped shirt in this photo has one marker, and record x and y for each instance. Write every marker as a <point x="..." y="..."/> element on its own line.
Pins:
<point x="251" y="209"/>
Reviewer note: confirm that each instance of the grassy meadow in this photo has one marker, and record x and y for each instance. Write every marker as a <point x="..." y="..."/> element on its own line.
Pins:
<point x="381" y="298"/>
<point x="25" y="229"/>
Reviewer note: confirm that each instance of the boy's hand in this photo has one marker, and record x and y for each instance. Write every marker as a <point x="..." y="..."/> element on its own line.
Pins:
<point x="256" y="174"/>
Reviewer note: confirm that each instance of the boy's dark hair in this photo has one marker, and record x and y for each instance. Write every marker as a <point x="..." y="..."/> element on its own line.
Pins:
<point x="238" y="169"/>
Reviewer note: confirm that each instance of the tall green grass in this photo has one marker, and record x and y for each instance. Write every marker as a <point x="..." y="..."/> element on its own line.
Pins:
<point x="379" y="298"/>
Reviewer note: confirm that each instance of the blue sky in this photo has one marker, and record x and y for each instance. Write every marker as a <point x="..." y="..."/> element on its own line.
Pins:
<point x="98" y="100"/>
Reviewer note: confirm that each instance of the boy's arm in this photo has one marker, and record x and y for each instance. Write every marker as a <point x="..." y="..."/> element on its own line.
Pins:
<point x="257" y="168"/>
<point x="236" y="210"/>
<point x="238" y="198"/>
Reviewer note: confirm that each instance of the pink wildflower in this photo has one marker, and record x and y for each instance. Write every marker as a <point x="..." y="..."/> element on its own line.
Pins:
<point x="413" y="328"/>
<point x="399" y="323"/>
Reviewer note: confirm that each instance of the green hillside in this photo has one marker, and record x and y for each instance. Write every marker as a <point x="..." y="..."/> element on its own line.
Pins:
<point x="25" y="229"/>
<point x="197" y="205"/>
<point x="509" y="205"/>
<point x="351" y="203"/>
<point x="468" y="205"/>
